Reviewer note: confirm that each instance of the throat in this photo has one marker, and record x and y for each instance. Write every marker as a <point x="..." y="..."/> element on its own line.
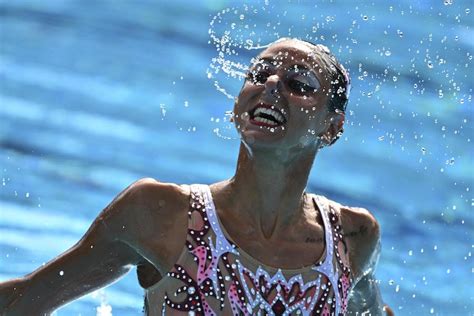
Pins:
<point x="268" y="224"/>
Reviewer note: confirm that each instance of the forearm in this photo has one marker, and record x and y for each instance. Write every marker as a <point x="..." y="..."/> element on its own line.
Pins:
<point x="25" y="296"/>
<point x="49" y="290"/>
<point x="68" y="277"/>
<point x="10" y="293"/>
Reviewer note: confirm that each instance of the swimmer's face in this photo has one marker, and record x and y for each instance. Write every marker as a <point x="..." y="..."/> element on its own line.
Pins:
<point x="284" y="100"/>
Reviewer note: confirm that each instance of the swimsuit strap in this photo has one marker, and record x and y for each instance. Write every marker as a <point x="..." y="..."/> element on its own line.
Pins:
<point x="321" y="205"/>
<point x="327" y="266"/>
<point x="222" y="244"/>
<point x="339" y="269"/>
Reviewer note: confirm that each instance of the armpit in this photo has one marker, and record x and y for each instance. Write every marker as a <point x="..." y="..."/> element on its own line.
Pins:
<point x="147" y="274"/>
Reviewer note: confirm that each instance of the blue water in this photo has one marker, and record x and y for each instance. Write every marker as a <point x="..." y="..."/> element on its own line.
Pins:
<point x="94" y="95"/>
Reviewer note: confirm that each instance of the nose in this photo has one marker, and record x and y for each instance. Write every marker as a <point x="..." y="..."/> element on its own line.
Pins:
<point x="273" y="84"/>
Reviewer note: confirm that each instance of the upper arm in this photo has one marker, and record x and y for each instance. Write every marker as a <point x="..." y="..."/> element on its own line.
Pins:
<point x="100" y="257"/>
<point x="362" y="233"/>
<point x="363" y="236"/>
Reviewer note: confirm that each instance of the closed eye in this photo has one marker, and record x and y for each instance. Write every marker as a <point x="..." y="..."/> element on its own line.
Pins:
<point x="258" y="77"/>
<point x="302" y="84"/>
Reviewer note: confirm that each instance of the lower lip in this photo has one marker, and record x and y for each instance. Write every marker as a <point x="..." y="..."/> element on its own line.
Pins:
<point x="263" y="124"/>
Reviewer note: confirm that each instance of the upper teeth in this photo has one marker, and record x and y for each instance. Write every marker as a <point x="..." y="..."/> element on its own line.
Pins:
<point x="271" y="112"/>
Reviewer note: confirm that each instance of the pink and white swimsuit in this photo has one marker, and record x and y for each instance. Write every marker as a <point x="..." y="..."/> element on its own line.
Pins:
<point x="215" y="277"/>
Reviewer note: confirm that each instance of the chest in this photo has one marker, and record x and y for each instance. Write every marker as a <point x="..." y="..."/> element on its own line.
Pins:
<point x="213" y="276"/>
<point x="288" y="252"/>
<point x="236" y="285"/>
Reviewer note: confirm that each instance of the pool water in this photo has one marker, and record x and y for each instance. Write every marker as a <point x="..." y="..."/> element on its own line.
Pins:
<point x="94" y="96"/>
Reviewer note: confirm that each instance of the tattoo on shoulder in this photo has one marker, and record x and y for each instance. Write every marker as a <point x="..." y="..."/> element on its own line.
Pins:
<point x="313" y="240"/>
<point x="362" y="231"/>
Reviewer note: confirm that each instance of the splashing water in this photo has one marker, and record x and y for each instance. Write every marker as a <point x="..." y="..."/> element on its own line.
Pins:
<point x="104" y="310"/>
<point x="238" y="33"/>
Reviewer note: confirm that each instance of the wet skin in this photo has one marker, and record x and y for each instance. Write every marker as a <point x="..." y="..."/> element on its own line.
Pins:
<point x="263" y="207"/>
<point x="304" y="110"/>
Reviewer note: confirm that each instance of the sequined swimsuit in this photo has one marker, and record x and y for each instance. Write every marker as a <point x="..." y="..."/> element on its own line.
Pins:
<point x="215" y="277"/>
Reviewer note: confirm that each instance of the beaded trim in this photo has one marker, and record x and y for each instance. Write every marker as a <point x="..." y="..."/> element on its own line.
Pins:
<point x="251" y="293"/>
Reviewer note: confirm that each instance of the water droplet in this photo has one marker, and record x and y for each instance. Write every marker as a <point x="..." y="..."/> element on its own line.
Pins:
<point x="430" y="64"/>
<point x="365" y="18"/>
<point x="388" y="53"/>
<point x="163" y="110"/>
<point x="61" y="273"/>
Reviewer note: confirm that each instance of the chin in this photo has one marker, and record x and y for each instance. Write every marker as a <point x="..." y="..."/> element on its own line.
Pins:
<point x="260" y="138"/>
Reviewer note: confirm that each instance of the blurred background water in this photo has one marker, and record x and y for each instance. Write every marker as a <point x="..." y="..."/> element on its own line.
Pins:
<point x="97" y="94"/>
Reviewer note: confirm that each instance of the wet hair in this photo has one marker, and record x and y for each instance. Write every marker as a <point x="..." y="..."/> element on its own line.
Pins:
<point x="338" y="75"/>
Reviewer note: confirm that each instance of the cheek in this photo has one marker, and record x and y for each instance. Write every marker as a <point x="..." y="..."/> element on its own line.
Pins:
<point x="247" y="92"/>
<point x="310" y="106"/>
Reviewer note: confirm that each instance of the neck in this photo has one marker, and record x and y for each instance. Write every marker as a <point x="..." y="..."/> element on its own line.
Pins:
<point x="268" y="186"/>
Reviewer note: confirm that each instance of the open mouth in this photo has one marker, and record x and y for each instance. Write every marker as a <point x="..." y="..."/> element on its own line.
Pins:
<point x="267" y="115"/>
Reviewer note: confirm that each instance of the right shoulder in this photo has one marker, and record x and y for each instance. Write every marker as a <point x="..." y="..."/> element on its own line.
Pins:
<point x="146" y="206"/>
<point x="149" y="191"/>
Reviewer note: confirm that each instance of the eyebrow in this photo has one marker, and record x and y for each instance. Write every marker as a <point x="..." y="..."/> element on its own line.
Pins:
<point x="300" y="66"/>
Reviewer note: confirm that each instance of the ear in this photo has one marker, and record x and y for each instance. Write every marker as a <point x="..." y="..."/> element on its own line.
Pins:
<point x="334" y="123"/>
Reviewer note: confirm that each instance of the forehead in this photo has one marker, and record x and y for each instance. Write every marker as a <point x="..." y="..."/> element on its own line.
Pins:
<point x="293" y="52"/>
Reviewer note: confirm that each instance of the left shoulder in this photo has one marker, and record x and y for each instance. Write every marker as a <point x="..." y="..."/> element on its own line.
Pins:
<point x="362" y="236"/>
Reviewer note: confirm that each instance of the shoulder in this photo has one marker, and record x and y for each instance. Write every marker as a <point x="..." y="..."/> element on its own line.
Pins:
<point x="146" y="189"/>
<point x="361" y="233"/>
<point x="149" y="192"/>
<point x="146" y="203"/>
